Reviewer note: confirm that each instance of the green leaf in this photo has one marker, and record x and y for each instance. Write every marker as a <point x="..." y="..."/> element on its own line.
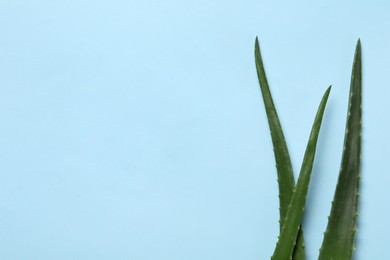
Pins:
<point x="282" y="157"/>
<point x="285" y="246"/>
<point x="338" y="243"/>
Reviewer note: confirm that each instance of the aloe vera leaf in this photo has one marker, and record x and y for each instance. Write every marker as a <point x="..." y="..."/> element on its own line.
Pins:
<point x="282" y="157"/>
<point x="285" y="246"/>
<point x="340" y="233"/>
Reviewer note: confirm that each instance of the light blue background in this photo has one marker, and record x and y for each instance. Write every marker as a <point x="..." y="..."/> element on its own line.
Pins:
<point x="136" y="130"/>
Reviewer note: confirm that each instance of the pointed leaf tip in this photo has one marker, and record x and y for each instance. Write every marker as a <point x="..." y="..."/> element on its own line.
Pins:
<point x="328" y="90"/>
<point x="257" y="47"/>
<point x="358" y="48"/>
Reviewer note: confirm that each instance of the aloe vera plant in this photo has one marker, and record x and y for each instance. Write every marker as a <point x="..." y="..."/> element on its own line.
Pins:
<point x="340" y="234"/>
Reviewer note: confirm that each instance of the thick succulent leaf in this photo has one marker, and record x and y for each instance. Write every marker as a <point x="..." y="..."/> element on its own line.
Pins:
<point x="338" y="243"/>
<point x="282" y="157"/>
<point x="285" y="246"/>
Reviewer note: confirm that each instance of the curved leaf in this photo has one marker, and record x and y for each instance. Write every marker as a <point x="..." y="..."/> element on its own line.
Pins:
<point x="285" y="246"/>
<point x="283" y="163"/>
